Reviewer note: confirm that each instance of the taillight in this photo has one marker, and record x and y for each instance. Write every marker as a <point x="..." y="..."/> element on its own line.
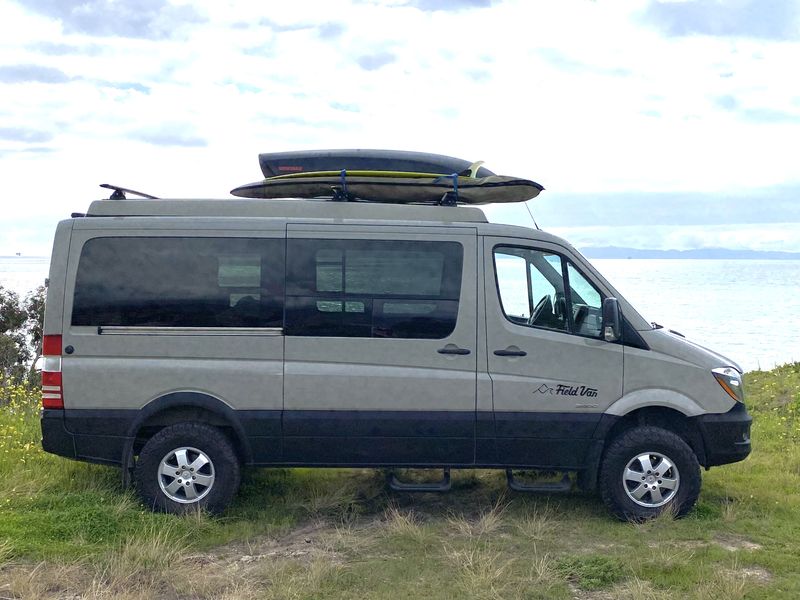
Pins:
<point x="52" y="391"/>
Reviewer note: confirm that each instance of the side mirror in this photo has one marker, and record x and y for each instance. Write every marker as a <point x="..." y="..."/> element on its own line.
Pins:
<point x="612" y="320"/>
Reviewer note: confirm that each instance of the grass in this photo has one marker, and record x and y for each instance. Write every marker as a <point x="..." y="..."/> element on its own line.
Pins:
<point x="68" y="530"/>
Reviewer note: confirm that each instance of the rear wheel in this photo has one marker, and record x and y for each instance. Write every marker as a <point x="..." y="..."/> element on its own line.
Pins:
<point x="647" y="470"/>
<point x="187" y="466"/>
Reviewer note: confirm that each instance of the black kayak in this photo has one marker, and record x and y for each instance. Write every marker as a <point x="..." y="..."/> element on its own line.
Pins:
<point x="285" y="163"/>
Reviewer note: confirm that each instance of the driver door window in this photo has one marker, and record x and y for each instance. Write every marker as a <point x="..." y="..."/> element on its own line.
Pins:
<point x="543" y="289"/>
<point x="531" y="287"/>
<point x="512" y="284"/>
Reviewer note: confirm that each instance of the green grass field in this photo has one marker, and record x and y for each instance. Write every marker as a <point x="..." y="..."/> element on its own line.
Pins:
<point x="67" y="530"/>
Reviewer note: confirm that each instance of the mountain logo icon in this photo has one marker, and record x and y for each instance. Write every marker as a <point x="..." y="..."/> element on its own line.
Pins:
<point x="544" y="389"/>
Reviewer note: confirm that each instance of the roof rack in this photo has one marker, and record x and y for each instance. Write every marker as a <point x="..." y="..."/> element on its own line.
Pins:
<point x="375" y="177"/>
<point x="119" y="192"/>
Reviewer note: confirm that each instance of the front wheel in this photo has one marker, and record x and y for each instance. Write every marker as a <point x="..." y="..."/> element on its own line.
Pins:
<point x="647" y="470"/>
<point x="187" y="466"/>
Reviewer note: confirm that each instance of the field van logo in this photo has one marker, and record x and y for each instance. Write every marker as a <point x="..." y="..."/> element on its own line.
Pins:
<point x="567" y="390"/>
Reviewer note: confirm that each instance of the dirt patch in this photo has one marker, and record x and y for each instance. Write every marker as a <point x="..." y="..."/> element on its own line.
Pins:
<point x="756" y="574"/>
<point x="600" y="547"/>
<point x="733" y="543"/>
<point x="580" y="594"/>
<point x="752" y="574"/>
<point x="304" y="544"/>
<point x="679" y="544"/>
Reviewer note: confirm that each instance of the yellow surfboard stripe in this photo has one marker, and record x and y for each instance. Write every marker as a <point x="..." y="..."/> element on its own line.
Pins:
<point x="382" y="174"/>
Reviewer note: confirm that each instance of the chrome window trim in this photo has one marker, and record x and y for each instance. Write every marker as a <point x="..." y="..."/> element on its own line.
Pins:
<point x="182" y="331"/>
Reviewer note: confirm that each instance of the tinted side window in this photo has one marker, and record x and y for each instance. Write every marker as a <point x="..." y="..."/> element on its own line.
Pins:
<point x="180" y="282"/>
<point x="372" y="288"/>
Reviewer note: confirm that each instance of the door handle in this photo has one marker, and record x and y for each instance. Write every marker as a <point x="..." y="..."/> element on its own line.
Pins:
<point x="510" y="351"/>
<point x="453" y="349"/>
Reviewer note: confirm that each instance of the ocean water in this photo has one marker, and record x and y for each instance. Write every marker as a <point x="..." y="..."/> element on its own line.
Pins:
<point x="748" y="310"/>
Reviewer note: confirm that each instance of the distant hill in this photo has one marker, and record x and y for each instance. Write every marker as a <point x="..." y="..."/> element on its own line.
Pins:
<point x="712" y="253"/>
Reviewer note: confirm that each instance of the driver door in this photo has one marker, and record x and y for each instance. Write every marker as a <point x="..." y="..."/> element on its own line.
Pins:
<point x="552" y="373"/>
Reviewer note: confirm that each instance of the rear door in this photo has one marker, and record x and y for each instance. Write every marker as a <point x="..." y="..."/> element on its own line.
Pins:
<point x="380" y="345"/>
<point x="552" y="373"/>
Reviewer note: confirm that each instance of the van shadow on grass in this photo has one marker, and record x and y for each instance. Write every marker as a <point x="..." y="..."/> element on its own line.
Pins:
<point x="348" y="494"/>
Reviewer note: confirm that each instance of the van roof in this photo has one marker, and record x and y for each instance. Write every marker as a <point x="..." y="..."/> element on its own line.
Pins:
<point x="284" y="208"/>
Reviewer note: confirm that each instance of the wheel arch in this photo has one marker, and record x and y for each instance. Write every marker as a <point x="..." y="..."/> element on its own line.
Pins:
<point x="655" y="397"/>
<point x="665" y="416"/>
<point x="178" y="407"/>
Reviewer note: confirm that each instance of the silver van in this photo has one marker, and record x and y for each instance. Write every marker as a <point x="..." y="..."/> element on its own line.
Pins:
<point x="186" y="338"/>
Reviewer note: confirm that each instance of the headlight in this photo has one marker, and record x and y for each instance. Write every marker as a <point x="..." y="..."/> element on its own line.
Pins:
<point x="731" y="381"/>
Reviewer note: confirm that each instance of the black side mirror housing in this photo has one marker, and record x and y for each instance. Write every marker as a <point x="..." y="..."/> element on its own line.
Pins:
<point x="612" y="320"/>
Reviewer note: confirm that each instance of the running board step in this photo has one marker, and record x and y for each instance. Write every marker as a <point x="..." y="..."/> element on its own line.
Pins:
<point x="564" y="485"/>
<point x="435" y="486"/>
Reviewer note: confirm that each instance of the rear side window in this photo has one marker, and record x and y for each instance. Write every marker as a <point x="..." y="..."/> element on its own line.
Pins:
<point x="180" y="282"/>
<point x="372" y="288"/>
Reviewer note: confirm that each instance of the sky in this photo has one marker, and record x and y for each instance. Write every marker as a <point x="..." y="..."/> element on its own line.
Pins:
<point x="650" y="124"/>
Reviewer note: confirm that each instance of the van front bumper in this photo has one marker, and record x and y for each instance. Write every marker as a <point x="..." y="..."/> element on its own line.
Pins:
<point x="726" y="436"/>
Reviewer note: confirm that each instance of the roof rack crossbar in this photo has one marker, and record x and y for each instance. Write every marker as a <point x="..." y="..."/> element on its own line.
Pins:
<point x="119" y="192"/>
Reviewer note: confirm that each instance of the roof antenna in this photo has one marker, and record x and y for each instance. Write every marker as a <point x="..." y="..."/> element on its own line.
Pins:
<point x="528" y="208"/>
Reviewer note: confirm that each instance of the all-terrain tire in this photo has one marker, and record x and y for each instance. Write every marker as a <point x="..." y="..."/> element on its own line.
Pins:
<point x="206" y="471"/>
<point x="664" y="459"/>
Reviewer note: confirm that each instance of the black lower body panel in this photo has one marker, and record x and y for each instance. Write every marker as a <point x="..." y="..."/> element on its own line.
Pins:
<point x="379" y="451"/>
<point x="349" y="438"/>
<point x="55" y="438"/>
<point x="379" y="437"/>
<point x="544" y="440"/>
<point x="100" y="435"/>
<point x="91" y="442"/>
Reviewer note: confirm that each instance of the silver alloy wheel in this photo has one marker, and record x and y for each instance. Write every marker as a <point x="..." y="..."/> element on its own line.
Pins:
<point x="186" y="475"/>
<point x="651" y="479"/>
